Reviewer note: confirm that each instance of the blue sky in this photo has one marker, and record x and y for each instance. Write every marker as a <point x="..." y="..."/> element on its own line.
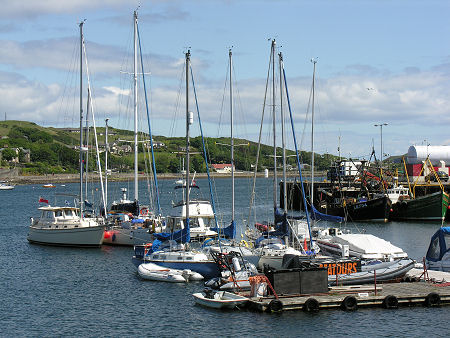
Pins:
<point x="399" y="49"/>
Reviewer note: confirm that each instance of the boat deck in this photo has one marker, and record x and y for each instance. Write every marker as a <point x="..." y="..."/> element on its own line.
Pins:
<point x="404" y="294"/>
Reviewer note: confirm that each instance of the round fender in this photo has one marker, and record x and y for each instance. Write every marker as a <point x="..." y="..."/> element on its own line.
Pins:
<point x="349" y="303"/>
<point x="275" y="305"/>
<point x="390" y="302"/>
<point x="243" y="243"/>
<point x="432" y="299"/>
<point x="311" y="305"/>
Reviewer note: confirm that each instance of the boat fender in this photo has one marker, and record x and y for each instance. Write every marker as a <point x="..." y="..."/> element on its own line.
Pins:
<point x="349" y="303"/>
<point x="275" y="305"/>
<point x="243" y="243"/>
<point x="311" y="305"/>
<point x="390" y="302"/>
<point x="432" y="299"/>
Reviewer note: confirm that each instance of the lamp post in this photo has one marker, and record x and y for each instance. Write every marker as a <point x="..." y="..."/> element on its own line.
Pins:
<point x="381" y="134"/>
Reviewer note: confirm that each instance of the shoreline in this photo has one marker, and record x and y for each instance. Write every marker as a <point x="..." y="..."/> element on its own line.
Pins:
<point x="73" y="178"/>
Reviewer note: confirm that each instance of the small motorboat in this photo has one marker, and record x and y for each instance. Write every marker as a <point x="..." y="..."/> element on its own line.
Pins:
<point x="151" y="271"/>
<point x="220" y="299"/>
<point x="5" y="186"/>
<point x="49" y="185"/>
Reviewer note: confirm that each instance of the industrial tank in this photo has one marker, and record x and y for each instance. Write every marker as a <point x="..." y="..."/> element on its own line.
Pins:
<point x="418" y="154"/>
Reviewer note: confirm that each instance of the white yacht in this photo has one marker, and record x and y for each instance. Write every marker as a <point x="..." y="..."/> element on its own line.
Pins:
<point x="365" y="246"/>
<point x="63" y="226"/>
<point x="6" y="186"/>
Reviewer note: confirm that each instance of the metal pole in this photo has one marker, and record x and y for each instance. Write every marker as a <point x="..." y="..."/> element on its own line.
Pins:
<point x="274" y="131"/>
<point x="136" y="187"/>
<point x="283" y="138"/>
<point x="188" y="55"/>
<point x="232" y="139"/>
<point x="106" y="162"/>
<point x="81" y="119"/>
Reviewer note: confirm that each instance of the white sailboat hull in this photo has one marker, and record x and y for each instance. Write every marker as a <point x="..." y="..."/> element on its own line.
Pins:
<point x="80" y="237"/>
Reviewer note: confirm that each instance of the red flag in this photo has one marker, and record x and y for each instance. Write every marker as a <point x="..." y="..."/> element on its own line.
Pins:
<point x="41" y="200"/>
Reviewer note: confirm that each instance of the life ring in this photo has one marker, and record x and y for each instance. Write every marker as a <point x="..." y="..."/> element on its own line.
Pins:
<point x="143" y="212"/>
<point x="390" y="302"/>
<point x="275" y="305"/>
<point x="311" y="305"/>
<point x="349" y="303"/>
<point x="432" y="299"/>
<point x="243" y="243"/>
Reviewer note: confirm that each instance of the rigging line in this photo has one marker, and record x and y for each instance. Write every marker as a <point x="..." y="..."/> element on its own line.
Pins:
<point x="306" y="117"/>
<point x="177" y="104"/>
<point x="204" y="149"/>
<point x="149" y="126"/>
<point x="298" y="159"/>
<point x="95" y="129"/>
<point x="223" y="101"/>
<point x="252" y="195"/>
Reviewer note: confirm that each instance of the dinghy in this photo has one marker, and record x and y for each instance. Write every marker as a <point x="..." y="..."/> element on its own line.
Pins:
<point x="220" y="299"/>
<point x="151" y="271"/>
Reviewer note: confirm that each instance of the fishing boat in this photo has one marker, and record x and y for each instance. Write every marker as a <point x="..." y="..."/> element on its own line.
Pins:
<point x="69" y="226"/>
<point x="151" y="271"/>
<point x="431" y="207"/>
<point x="438" y="253"/>
<point x="129" y="221"/>
<point x="220" y="299"/>
<point x="6" y="186"/>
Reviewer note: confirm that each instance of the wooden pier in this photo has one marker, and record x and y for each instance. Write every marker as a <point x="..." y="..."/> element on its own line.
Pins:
<point x="349" y="298"/>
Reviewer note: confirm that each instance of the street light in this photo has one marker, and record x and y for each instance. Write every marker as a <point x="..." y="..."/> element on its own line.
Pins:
<point x="381" y="133"/>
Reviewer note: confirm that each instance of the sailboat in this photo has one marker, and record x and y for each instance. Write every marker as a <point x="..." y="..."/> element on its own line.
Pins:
<point x="65" y="225"/>
<point x="169" y="248"/>
<point x="131" y="223"/>
<point x="270" y="246"/>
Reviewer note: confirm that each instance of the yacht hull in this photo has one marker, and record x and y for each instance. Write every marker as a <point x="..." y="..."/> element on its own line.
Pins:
<point x="76" y="237"/>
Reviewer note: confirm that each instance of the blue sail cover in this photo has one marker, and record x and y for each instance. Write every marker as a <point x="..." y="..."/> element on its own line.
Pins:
<point x="227" y="232"/>
<point x="180" y="236"/>
<point x="317" y="215"/>
<point x="439" y="244"/>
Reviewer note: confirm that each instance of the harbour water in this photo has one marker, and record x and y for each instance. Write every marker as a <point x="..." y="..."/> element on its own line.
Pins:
<point x="50" y="291"/>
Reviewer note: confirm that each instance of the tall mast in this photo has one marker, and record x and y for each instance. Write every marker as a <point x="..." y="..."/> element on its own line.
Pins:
<point x="189" y="116"/>
<point x="81" y="119"/>
<point x="136" y="194"/>
<point x="314" y="61"/>
<point x="231" y="135"/>
<point x="106" y="161"/>
<point x="274" y="130"/>
<point x="283" y="137"/>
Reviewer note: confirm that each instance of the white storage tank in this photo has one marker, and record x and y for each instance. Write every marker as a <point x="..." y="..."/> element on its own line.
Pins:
<point x="418" y="154"/>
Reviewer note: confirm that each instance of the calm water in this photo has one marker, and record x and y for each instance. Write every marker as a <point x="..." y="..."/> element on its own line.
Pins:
<point x="95" y="292"/>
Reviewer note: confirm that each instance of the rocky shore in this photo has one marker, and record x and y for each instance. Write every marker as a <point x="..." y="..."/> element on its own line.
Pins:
<point x="67" y="178"/>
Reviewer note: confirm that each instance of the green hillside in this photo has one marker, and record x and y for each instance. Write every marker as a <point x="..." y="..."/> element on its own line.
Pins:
<point x="51" y="150"/>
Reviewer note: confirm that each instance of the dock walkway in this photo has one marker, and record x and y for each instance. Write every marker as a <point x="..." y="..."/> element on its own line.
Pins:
<point x="389" y="295"/>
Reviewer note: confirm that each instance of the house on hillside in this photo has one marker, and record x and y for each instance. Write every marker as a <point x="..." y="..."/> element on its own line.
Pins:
<point x="222" y="168"/>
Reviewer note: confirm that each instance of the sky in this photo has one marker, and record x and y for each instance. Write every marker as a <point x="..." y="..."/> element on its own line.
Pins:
<point x="378" y="62"/>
